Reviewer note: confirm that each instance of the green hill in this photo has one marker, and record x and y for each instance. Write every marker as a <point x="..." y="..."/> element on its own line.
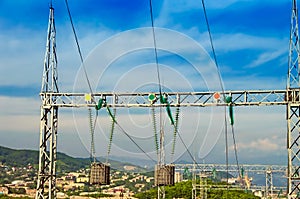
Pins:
<point x="65" y="163"/>
<point x="18" y="158"/>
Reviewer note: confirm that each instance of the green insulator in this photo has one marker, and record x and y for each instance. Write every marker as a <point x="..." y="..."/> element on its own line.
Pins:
<point x="214" y="172"/>
<point x="231" y="114"/>
<point x="228" y="99"/>
<point x="186" y="170"/>
<point x="111" y="115"/>
<point x="170" y="114"/>
<point x="100" y="104"/>
<point x="163" y="99"/>
<point x="242" y="172"/>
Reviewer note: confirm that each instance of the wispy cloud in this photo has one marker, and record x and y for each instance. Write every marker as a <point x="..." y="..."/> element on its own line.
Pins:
<point x="266" y="57"/>
<point x="242" y="41"/>
<point x="261" y="145"/>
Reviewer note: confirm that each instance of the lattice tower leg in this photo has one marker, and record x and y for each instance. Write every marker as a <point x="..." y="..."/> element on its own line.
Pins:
<point x="161" y="193"/>
<point x="194" y="184"/>
<point x="47" y="153"/>
<point x="194" y="192"/>
<point x="293" y="84"/>
<point x="269" y="183"/>
<point x="203" y="187"/>
<point x="293" y="136"/>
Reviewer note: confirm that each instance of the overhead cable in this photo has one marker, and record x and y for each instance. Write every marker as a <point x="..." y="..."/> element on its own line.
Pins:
<point x="78" y="48"/>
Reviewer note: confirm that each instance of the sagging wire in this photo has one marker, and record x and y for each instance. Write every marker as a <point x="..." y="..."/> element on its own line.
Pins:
<point x="78" y="48"/>
<point x="101" y="101"/>
<point x="139" y="147"/>
<point x="101" y="104"/>
<point x="235" y="150"/>
<point x="230" y="107"/>
<point x="187" y="149"/>
<point x="92" y="126"/>
<point x="155" y="47"/>
<point x="111" y="134"/>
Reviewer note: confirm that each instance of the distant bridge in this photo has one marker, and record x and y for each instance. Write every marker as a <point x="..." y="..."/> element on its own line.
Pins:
<point x="233" y="167"/>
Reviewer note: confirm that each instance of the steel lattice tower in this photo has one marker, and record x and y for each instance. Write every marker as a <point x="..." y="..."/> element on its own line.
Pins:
<point x="293" y="108"/>
<point x="46" y="184"/>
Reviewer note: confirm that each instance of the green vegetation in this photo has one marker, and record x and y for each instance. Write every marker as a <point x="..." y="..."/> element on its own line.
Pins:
<point x="92" y="191"/>
<point x="18" y="158"/>
<point x="65" y="163"/>
<point x="22" y="165"/>
<point x="22" y="158"/>
<point x="184" y="190"/>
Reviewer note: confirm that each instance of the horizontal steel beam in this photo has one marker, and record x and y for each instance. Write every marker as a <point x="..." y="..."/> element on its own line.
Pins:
<point x="183" y="99"/>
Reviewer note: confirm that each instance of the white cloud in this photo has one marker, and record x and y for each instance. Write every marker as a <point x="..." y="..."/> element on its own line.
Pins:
<point x="170" y="6"/>
<point x="19" y="123"/>
<point x="11" y="106"/>
<point x="21" y="58"/>
<point x="241" y="41"/>
<point x="262" y="145"/>
<point x="220" y="4"/>
<point x="266" y="57"/>
<point x="259" y="130"/>
<point x="19" y="115"/>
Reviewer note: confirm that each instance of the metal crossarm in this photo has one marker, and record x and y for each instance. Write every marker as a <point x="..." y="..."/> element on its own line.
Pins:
<point x="183" y="99"/>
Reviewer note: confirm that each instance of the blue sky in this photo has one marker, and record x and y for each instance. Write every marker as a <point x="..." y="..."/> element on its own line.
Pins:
<point x="251" y="42"/>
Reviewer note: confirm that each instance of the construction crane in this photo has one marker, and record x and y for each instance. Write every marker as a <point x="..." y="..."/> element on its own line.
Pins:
<point x="52" y="100"/>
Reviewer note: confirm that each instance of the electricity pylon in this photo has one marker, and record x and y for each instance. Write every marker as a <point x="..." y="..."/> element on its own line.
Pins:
<point x="52" y="100"/>
<point x="46" y="184"/>
<point x="293" y="109"/>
